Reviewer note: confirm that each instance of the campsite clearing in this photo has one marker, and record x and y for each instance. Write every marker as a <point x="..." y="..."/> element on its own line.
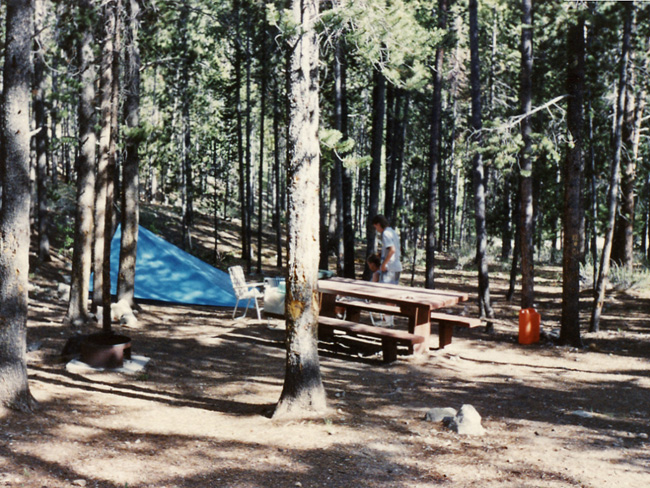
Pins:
<point x="198" y="415"/>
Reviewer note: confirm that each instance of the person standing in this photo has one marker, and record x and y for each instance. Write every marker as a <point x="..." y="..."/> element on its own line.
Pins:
<point x="391" y="267"/>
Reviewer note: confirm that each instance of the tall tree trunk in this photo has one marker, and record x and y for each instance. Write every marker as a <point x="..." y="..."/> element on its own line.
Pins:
<point x="243" y="203"/>
<point x="260" y="182"/>
<point x="278" y="176"/>
<point x="573" y="208"/>
<point x="593" y="194"/>
<point x="103" y="177"/>
<point x="14" y="214"/>
<point x="131" y="192"/>
<point x="187" y="186"/>
<point x="612" y="196"/>
<point x="336" y="217"/>
<point x="400" y="143"/>
<point x="324" y="241"/>
<point x="479" y="173"/>
<point x="77" y="312"/>
<point x="635" y="100"/>
<point x="40" y="139"/>
<point x="303" y="388"/>
<point x="378" y="106"/>
<point x="247" y="149"/>
<point x="526" y="176"/>
<point x="393" y="102"/>
<point x="111" y="167"/>
<point x="434" y="152"/>
<point x="333" y="230"/>
<point x="346" y="202"/>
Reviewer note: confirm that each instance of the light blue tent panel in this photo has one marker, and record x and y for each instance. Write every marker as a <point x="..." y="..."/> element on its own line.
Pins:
<point x="165" y="273"/>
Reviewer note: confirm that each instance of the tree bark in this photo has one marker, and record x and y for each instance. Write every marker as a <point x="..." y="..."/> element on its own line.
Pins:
<point x="113" y="26"/>
<point x="526" y="164"/>
<point x="41" y="139"/>
<point x="434" y="152"/>
<point x="243" y="203"/>
<point x="346" y="203"/>
<point x="635" y="101"/>
<point x="573" y="173"/>
<point x="187" y="186"/>
<point x="393" y="101"/>
<point x="303" y="390"/>
<point x="131" y="185"/>
<point x="378" y="107"/>
<point x="247" y="150"/>
<point x="105" y="134"/>
<point x="278" y="176"/>
<point x="14" y="214"/>
<point x="614" y="181"/>
<point x="260" y="178"/>
<point x="77" y="312"/>
<point x="485" y="309"/>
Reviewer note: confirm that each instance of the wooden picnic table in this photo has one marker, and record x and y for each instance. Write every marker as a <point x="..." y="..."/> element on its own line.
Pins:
<point x="414" y="303"/>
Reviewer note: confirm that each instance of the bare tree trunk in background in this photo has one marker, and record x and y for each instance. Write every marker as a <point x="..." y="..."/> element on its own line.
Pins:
<point x="247" y="150"/>
<point x="434" y="152"/>
<point x="41" y="139"/>
<point x="77" y="312"/>
<point x="278" y="175"/>
<point x="14" y="212"/>
<point x="346" y="176"/>
<point x="612" y="198"/>
<point x="593" y="204"/>
<point x="131" y="191"/>
<point x="243" y="204"/>
<point x="378" y="107"/>
<point x="111" y="167"/>
<point x="103" y="177"/>
<point x="392" y="111"/>
<point x="263" y="84"/>
<point x="573" y="173"/>
<point x="303" y="390"/>
<point x="400" y="147"/>
<point x="635" y="101"/>
<point x="526" y="164"/>
<point x="336" y="226"/>
<point x="187" y="186"/>
<point x="485" y="308"/>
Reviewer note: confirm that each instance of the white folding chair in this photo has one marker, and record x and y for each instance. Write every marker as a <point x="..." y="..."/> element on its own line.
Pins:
<point x="244" y="291"/>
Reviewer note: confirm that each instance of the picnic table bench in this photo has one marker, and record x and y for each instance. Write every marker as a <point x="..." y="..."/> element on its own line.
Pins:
<point x="446" y="322"/>
<point x="389" y="338"/>
<point x="416" y="304"/>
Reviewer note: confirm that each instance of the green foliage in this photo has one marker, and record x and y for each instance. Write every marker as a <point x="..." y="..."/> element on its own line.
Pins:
<point x="387" y="35"/>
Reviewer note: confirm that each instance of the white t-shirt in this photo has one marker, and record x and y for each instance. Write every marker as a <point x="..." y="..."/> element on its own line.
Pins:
<point x="389" y="238"/>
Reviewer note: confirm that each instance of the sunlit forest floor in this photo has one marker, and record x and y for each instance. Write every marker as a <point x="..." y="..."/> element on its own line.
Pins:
<point x="198" y="416"/>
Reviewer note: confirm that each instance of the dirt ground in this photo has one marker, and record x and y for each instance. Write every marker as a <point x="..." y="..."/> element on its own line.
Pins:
<point x="198" y="415"/>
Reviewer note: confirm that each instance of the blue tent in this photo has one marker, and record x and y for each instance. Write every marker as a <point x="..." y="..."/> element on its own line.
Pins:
<point x="165" y="273"/>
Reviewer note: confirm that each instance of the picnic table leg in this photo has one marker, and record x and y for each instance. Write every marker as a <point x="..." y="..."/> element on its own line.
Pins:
<point x="327" y="305"/>
<point x="419" y="324"/>
<point x="389" y="349"/>
<point x="445" y="332"/>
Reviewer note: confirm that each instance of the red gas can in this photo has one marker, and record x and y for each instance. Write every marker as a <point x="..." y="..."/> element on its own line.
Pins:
<point x="529" y="321"/>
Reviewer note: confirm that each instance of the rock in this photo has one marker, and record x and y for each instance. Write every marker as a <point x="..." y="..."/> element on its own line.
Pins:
<point x="440" y="414"/>
<point x="129" y="320"/>
<point x="63" y="292"/>
<point x="79" y="482"/>
<point x="583" y="414"/>
<point x="467" y="421"/>
<point x="119" y="310"/>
